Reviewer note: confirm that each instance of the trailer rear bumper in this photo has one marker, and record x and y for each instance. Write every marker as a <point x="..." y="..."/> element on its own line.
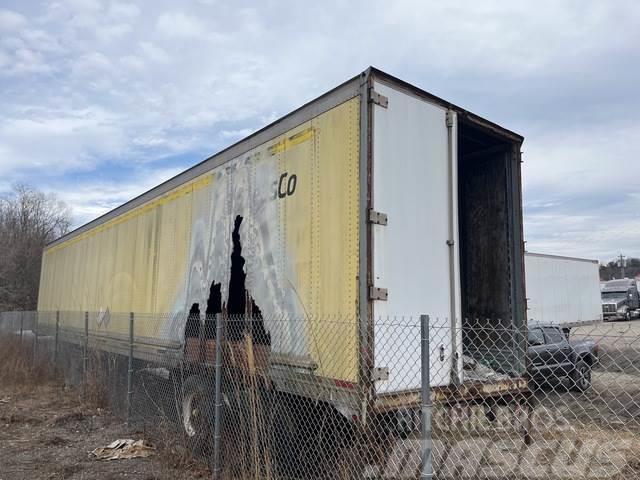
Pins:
<point x="502" y="390"/>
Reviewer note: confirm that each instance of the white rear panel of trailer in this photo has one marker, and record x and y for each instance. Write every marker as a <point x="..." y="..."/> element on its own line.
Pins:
<point x="562" y="290"/>
<point x="411" y="184"/>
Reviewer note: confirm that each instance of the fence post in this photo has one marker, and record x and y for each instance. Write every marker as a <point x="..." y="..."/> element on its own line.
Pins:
<point x="55" y="346"/>
<point x="426" y="465"/>
<point x="130" y="369"/>
<point x="85" y="356"/>
<point x="217" y="420"/>
<point x="35" y="340"/>
<point x="21" y="326"/>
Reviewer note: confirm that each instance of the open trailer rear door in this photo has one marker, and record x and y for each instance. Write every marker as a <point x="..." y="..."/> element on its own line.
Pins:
<point x="414" y="256"/>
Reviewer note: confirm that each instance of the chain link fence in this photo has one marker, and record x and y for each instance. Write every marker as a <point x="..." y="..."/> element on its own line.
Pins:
<point x="292" y="398"/>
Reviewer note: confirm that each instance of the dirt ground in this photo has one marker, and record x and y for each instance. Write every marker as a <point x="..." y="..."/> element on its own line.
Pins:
<point x="46" y="433"/>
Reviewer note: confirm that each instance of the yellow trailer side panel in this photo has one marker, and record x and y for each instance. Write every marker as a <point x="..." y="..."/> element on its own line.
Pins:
<point x="294" y="204"/>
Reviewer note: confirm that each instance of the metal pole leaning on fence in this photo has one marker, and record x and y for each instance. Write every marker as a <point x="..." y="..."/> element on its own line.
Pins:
<point x="426" y="465"/>
<point x="85" y="355"/>
<point x="130" y="369"/>
<point x="218" y="398"/>
<point x="55" y="346"/>
<point x="35" y="340"/>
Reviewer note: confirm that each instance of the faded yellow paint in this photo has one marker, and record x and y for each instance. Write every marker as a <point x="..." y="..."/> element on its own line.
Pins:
<point x="291" y="141"/>
<point x="139" y="261"/>
<point x="321" y="228"/>
<point x="169" y="197"/>
<point x="117" y="265"/>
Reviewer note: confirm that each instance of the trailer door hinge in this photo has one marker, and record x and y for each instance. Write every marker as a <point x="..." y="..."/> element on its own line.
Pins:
<point x="376" y="293"/>
<point x="377" y="98"/>
<point x="449" y="119"/>
<point x="380" y="374"/>
<point x="377" y="217"/>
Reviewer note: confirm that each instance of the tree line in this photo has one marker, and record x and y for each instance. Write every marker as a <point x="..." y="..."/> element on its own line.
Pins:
<point x="29" y="220"/>
<point x="611" y="270"/>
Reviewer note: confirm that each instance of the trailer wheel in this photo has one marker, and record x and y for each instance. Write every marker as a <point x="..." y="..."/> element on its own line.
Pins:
<point x="308" y="438"/>
<point x="288" y="440"/>
<point x="581" y="377"/>
<point x="196" y="413"/>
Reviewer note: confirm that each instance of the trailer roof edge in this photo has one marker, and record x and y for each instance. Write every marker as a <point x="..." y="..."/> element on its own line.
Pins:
<point x="563" y="257"/>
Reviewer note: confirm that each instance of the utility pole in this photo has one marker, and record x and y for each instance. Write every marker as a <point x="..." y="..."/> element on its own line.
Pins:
<point x="622" y="262"/>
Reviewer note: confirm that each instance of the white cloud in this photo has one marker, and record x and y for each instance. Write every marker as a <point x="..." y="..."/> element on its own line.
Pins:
<point x="91" y="6"/>
<point x="180" y="24"/>
<point x="132" y="62"/>
<point x="153" y="52"/>
<point x="11" y="21"/>
<point x="93" y="63"/>
<point x="4" y="59"/>
<point x="25" y="61"/>
<point x="111" y="32"/>
<point x="236" y="134"/>
<point x="587" y="158"/>
<point x="124" y="11"/>
<point x="59" y="140"/>
<point x="91" y="199"/>
<point x="600" y="236"/>
<point x="12" y="42"/>
<point x="41" y="41"/>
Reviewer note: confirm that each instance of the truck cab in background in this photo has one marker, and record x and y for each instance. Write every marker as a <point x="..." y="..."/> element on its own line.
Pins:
<point x="620" y="300"/>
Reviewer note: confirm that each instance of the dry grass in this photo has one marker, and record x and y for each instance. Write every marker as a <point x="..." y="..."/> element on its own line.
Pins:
<point x="251" y="440"/>
<point x="27" y="376"/>
<point x="247" y="448"/>
<point x="174" y="449"/>
<point x="18" y="367"/>
<point x="96" y="384"/>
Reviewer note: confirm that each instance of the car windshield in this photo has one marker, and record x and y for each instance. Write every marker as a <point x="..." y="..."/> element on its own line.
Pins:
<point x="613" y="294"/>
<point x="535" y="337"/>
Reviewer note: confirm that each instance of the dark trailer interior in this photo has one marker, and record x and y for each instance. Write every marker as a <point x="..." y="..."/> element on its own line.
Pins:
<point x="491" y="247"/>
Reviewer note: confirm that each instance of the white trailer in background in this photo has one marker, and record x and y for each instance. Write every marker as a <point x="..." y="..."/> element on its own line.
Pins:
<point x="562" y="290"/>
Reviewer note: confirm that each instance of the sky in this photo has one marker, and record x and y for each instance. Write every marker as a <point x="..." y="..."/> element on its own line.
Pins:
<point x="101" y="100"/>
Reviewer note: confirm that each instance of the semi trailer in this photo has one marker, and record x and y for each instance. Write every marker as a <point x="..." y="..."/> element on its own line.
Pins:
<point x="562" y="291"/>
<point x="375" y="201"/>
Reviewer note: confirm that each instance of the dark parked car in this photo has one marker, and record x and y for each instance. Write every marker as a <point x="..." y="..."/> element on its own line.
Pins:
<point x="552" y="356"/>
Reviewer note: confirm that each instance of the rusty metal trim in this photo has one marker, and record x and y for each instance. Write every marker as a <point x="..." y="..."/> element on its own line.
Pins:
<point x="378" y="218"/>
<point x="378" y="99"/>
<point x="466" y="392"/>
<point x="376" y="293"/>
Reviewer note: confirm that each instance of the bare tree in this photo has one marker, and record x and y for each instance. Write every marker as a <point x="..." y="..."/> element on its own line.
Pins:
<point x="611" y="270"/>
<point x="29" y="219"/>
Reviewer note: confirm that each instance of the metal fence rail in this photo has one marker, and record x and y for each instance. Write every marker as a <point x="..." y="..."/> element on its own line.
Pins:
<point x="249" y="396"/>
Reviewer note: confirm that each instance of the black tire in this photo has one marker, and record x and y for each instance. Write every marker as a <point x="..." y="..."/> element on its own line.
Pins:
<point x="196" y="413"/>
<point x="536" y="384"/>
<point x="581" y="377"/>
<point x="308" y="438"/>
